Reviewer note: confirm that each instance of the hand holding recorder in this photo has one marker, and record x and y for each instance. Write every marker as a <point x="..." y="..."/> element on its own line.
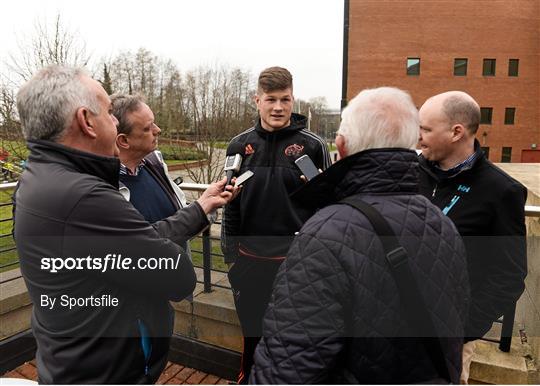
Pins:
<point x="307" y="167"/>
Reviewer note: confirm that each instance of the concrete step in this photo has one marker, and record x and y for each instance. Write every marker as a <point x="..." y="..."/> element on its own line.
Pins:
<point x="492" y="366"/>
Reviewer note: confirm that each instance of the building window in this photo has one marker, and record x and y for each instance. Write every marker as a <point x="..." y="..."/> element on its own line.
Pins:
<point x="506" y="154"/>
<point x="485" y="149"/>
<point x="509" y="115"/>
<point x="513" y="67"/>
<point x="489" y="67"/>
<point x="485" y="115"/>
<point x="413" y="66"/>
<point x="460" y="66"/>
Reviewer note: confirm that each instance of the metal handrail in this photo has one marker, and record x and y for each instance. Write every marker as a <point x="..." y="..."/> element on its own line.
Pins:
<point x="8" y="186"/>
<point x="193" y="187"/>
<point x="532" y="211"/>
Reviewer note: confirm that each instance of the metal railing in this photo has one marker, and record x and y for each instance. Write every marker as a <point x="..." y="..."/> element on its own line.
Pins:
<point x="507" y="320"/>
<point x="207" y="239"/>
<point x="6" y="240"/>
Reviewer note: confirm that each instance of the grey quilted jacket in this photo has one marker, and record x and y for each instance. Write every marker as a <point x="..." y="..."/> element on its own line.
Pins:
<point x="335" y="313"/>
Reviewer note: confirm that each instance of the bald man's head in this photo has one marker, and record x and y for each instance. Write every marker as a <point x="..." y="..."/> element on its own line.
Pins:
<point x="459" y="108"/>
<point x="448" y="124"/>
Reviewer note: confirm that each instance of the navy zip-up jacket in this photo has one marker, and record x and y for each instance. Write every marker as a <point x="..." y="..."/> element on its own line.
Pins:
<point x="487" y="207"/>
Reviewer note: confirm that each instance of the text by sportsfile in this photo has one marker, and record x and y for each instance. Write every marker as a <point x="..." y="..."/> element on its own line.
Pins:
<point x="111" y="261"/>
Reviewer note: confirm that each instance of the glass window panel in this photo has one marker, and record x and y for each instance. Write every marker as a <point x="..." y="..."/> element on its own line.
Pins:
<point x="489" y="67"/>
<point x="460" y="66"/>
<point x="485" y="115"/>
<point x="509" y="115"/>
<point x="413" y="66"/>
<point x="513" y="67"/>
<point x="506" y="154"/>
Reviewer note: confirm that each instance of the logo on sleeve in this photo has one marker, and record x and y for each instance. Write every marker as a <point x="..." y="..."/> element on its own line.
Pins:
<point x="461" y="189"/>
<point x="249" y="149"/>
<point x="294" y="150"/>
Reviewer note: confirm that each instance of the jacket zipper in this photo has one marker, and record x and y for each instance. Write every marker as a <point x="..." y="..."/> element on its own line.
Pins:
<point x="434" y="191"/>
<point x="273" y="155"/>
<point x="146" y="345"/>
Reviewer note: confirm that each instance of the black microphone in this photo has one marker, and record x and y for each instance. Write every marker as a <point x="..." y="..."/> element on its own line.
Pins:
<point x="233" y="161"/>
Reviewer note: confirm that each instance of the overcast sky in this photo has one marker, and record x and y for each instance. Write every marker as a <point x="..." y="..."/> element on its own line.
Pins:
<point x="303" y="35"/>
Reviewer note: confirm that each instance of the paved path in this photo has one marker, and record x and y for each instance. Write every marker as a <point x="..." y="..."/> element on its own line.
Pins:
<point x="174" y="374"/>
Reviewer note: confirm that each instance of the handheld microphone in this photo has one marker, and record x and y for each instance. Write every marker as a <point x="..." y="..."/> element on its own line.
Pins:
<point x="233" y="161"/>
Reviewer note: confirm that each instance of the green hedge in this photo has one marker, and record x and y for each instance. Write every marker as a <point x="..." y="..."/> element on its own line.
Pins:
<point x="174" y="152"/>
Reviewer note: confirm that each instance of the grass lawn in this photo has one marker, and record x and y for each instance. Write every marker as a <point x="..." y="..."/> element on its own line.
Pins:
<point x="175" y="152"/>
<point x="221" y="145"/>
<point x="217" y="261"/>
<point x="16" y="148"/>
<point x="176" y="161"/>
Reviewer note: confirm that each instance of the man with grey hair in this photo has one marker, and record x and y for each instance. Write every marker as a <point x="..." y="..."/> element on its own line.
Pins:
<point x="336" y="314"/>
<point x="99" y="275"/>
<point x="144" y="176"/>
<point x="485" y="204"/>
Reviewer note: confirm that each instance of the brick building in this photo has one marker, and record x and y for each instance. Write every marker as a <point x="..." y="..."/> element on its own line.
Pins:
<point x="487" y="48"/>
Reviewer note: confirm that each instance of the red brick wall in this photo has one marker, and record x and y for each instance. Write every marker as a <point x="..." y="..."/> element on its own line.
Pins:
<point x="383" y="33"/>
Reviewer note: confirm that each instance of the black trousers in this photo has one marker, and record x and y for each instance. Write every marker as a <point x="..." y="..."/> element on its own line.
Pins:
<point x="252" y="282"/>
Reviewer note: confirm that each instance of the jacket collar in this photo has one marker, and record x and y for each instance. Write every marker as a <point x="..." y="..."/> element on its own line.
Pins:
<point x="389" y="170"/>
<point x="298" y="122"/>
<point x="432" y="169"/>
<point x="106" y="168"/>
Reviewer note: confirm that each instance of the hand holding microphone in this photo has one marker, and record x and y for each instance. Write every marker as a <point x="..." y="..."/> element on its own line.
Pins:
<point x="233" y="161"/>
<point x="216" y="196"/>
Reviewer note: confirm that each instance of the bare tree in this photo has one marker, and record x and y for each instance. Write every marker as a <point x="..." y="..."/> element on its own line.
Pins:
<point x="107" y="82"/>
<point x="48" y="44"/>
<point x="317" y="107"/>
<point x="53" y="44"/>
<point x="12" y="144"/>
<point x="317" y="110"/>
<point x="7" y="106"/>
<point x="207" y="105"/>
<point x="221" y="106"/>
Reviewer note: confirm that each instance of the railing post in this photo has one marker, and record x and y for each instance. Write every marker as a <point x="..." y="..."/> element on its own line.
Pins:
<point x="207" y="260"/>
<point x="507" y="329"/>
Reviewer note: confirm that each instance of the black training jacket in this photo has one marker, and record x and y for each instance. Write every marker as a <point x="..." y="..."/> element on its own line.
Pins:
<point x="67" y="206"/>
<point x="487" y="207"/>
<point x="262" y="220"/>
<point x="335" y="315"/>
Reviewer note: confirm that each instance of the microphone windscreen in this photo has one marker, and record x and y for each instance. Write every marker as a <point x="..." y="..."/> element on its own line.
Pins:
<point x="235" y="148"/>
